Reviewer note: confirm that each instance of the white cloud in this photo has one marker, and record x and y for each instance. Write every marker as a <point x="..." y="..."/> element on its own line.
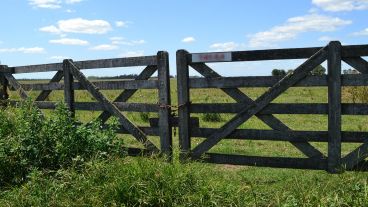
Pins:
<point x="120" y="24"/>
<point x="72" y="1"/>
<point x="361" y="33"/>
<point x="69" y="41"/>
<point x="51" y="4"/>
<point x="295" y="26"/>
<point x="123" y="41"/>
<point x="188" y="40"/>
<point x="105" y="47"/>
<point x="59" y="57"/>
<point x="79" y="25"/>
<point x="132" y="54"/>
<point x="46" y="4"/>
<point x="50" y="29"/>
<point x="341" y="5"/>
<point x="29" y="50"/>
<point x="227" y="46"/>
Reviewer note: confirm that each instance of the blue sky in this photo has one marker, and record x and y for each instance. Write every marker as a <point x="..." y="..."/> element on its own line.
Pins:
<point x="46" y="31"/>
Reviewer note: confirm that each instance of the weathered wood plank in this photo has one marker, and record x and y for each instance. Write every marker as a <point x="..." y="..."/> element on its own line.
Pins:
<point x="358" y="63"/>
<point x="126" y="94"/>
<point x="95" y="106"/>
<point x="103" y="85"/>
<point x="194" y="122"/>
<point x="15" y="85"/>
<point x="270" y="120"/>
<point x="44" y="94"/>
<point x="122" y="106"/>
<point x="89" y="64"/>
<point x="354" y="51"/>
<point x="273" y="54"/>
<point x="4" y="86"/>
<point x="288" y="53"/>
<point x="183" y="102"/>
<point x="164" y="101"/>
<point x="280" y="108"/>
<point x="94" y="91"/>
<point x="355" y="157"/>
<point x="150" y="131"/>
<point x="248" y="111"/>
<point x="277" y="162"/>
<point x="290" y="136"/>
<point x="269" y="81"/>
<point x="334" y="106"/>
<point x="69" y="97"/>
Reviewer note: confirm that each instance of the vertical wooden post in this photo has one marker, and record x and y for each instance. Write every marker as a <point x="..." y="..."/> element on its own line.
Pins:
<point x="183" y="102"/>
<point x="334" y="107"/>
<point x="4" y="84"/>
<point x="164" y="102"/>
<point x="68" y="87"/>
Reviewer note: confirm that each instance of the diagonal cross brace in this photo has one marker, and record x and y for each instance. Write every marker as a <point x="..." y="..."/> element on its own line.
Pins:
<point x="44" y="94"/>
<point x="306" y="148"/>
<point x="112" y="109"/>
<point x="126" y="94"/>
<point x="250" y="110"/>
<point x="358" y="63"/>
<point x="16" y="85"/>
<point x="355" y="157"/>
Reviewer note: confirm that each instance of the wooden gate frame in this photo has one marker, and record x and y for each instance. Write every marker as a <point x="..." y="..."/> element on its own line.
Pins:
<point x="245" y="107"/>
<point x="71" y="70"/>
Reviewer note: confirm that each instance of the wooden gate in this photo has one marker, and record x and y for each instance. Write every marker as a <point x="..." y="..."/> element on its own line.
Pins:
<point x="70" y="71"/>
<point x="263" y="109"/>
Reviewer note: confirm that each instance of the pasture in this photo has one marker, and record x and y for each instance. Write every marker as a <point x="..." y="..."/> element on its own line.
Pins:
<point x="135" y="181"/>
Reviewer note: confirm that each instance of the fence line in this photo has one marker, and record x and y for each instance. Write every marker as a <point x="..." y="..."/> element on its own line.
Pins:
<point x="69" y="78"/>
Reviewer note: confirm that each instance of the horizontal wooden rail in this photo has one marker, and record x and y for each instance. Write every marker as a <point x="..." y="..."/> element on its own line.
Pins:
<point x="280" y="108"/>
<point x="269" y="81"/>
<point x="96" y="106"/>
<point x="276" y="54"/>
<point x="150" y="131"/>
<point x="277" y="162"/>
<point x="274" y="135"/>
<point x="88" y="64"/>
<point x="102" y="85"/>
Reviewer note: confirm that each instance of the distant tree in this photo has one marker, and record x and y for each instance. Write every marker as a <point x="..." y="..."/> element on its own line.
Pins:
<point x="319" y="70"/>
<point x="350" y="71"/>
<point x="278" y="72"/>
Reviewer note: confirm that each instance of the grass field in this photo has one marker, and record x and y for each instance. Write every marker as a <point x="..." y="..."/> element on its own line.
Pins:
<point x="144" y="182"/>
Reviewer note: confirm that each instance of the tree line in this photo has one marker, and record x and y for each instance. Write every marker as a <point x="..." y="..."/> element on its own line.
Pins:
<point x="319" y="70"/>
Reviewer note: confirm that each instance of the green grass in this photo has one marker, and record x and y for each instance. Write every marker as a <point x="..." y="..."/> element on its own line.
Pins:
<point x="150" y="182"/>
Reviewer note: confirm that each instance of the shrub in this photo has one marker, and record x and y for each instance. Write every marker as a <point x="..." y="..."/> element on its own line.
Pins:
<point x="211" y="117"/>
<point x="144" y="116"/>
<point x="31" y="141"/>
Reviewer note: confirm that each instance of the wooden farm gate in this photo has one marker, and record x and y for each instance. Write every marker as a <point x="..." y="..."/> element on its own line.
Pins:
<point x="70" y="71"/>
<point x="262" y="108"/>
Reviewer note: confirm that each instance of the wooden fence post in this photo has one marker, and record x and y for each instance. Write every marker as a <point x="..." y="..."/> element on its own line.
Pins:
<point x="4" y="84"/>
<point x="164" y="102"/>
<point x="68" y="87"/>
<point x="334" y="107"/>
<point x="183" y="103"/>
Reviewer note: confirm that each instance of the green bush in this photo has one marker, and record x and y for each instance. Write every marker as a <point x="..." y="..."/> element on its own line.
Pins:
<point x="144" y="116"/>
<point x="30" y="141"/>
<point x="212" y="117"/>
